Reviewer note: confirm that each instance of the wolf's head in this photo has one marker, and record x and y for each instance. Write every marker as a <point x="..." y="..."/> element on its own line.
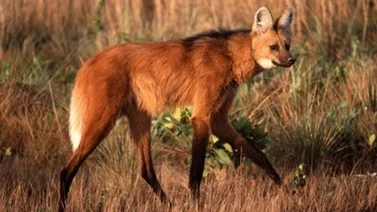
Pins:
<point x="271" y="40"/>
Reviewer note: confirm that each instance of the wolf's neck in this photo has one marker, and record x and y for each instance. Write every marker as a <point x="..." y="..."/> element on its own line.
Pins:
<point x="244" y="66"/>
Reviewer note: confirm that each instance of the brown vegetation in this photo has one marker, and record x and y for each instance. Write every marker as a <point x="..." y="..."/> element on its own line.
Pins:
<point x="321" y="112"/>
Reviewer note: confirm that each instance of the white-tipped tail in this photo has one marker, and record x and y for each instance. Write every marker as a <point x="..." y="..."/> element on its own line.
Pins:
<point x="76" y="118"/>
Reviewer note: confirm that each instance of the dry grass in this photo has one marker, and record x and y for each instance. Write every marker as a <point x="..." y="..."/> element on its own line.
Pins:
<point x="113" y="185"/>
<point x="320" y="112"/>
<point x="61" y="27"/>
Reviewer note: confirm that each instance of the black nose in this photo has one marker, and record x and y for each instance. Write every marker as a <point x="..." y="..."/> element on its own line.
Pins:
<point x="291" y="60"/>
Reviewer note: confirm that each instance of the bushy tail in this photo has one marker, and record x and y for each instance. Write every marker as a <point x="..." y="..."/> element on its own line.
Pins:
<point x="76" y="117"/>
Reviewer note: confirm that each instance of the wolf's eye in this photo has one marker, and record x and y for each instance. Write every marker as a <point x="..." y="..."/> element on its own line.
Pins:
<point x="274" y="47"/>
<point x="287" y="46"/>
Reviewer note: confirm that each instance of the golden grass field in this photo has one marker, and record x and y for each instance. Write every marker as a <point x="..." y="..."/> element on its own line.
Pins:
<point x="322" y="112"/>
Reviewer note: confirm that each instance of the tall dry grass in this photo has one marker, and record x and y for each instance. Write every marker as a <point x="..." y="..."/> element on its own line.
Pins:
<point x="321" y="112"/>
<point x="109" y="181"/>
<point x="61" y="27"/>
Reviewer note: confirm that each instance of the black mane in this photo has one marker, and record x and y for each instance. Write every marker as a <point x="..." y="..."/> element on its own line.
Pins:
<point x="216" y="34"/>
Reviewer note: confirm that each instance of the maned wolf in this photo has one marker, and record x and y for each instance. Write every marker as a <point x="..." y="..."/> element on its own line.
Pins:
<point x="140" y="79"/>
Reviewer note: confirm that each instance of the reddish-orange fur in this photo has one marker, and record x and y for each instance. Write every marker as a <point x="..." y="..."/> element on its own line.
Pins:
<point x="140" y="79"/>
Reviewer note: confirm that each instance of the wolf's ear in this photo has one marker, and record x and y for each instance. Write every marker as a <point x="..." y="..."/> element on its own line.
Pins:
<point x="262" y="20"/>
<point x="285" y="21"/>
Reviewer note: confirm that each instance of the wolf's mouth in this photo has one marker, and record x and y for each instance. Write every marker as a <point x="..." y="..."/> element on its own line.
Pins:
<point x="286" y="65"/>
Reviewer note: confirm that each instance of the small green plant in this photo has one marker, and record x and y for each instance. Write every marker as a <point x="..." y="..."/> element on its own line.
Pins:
<point x="219" y="153"/>
<point x="251" y="132"/>
<point x="299" y="180"/>
<point x="177" y="123"/>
